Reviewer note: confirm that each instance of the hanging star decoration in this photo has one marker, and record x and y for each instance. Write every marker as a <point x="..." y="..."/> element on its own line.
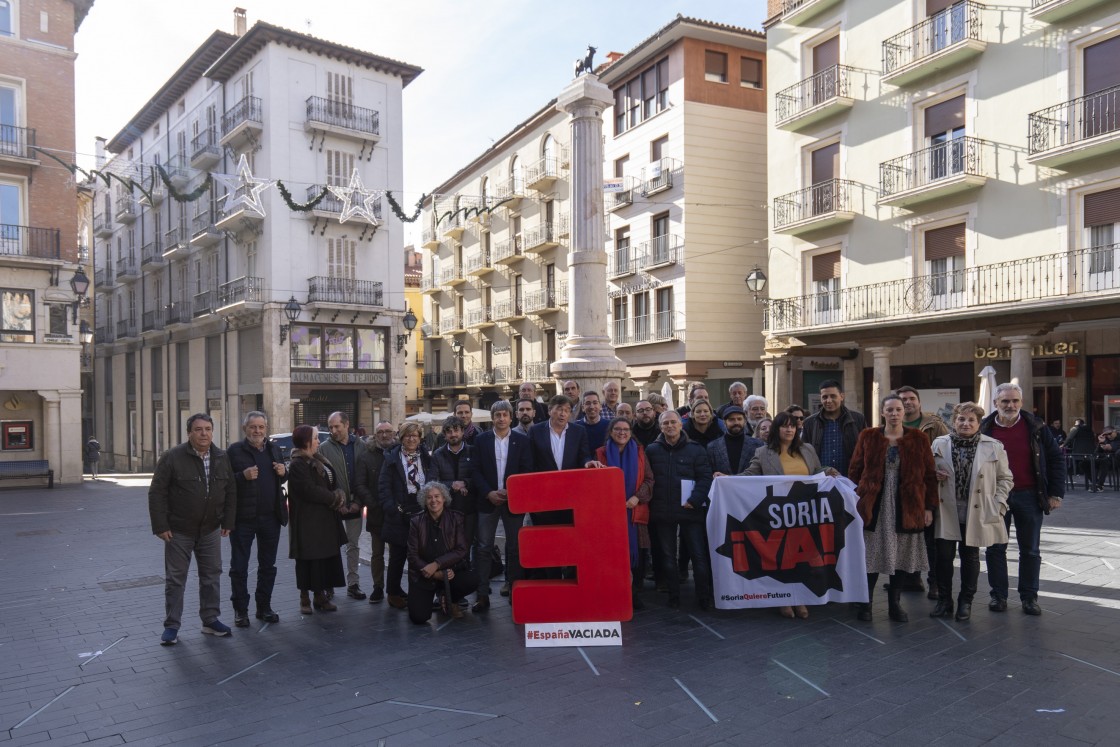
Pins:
<point x="367" y="207"/>
<point x="243" y="190"/>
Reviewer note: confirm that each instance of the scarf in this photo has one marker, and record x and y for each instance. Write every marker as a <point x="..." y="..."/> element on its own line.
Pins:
<point x="627" y="461"/>
<point x="964" y="454"/>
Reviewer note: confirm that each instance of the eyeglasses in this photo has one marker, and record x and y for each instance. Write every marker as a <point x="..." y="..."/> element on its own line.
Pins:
<point x="797" y="418"/>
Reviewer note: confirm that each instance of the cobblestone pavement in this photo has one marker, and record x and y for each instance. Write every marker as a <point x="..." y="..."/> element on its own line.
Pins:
<point x="80" y="660"/>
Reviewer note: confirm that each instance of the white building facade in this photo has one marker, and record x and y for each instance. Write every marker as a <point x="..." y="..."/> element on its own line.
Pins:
<point x="945" y="195"/>
<point x="193" y="295"/>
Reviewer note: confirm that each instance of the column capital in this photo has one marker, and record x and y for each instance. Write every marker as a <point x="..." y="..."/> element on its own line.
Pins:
<point x="1037" y="329"/>
<point x="584" y="91"/>
<point x="883" y="343"/>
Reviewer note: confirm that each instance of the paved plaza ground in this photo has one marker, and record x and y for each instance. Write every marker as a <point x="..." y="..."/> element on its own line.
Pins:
<point x="80" y="660"/>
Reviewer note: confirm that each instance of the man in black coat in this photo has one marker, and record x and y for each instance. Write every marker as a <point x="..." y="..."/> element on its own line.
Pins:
<point x="833" y="430"/>
<point x="258" y="468"/>
<point x="367" y="472"/>
<point x="454" y="465"/>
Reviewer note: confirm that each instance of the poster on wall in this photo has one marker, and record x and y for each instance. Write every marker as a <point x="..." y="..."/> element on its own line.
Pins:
<point x="16" y="435"/>
<point x="778" y="541"/>
<point x="940" y="402"/>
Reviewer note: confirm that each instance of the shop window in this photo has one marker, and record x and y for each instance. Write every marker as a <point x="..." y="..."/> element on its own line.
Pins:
<point x="338" y="348"/>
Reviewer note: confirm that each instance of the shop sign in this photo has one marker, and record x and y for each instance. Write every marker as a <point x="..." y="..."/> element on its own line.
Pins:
<point x="826" y="365"/>
<point x="338" y="377"/>
<point x="732" y="364"/>
<point x="1042" y="350"/>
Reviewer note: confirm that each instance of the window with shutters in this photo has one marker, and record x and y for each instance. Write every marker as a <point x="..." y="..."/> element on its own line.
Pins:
<point x="341" y="257"/>
<point x="715" y="67"/>
<point x="826" y="56"/>
<point x="750" y="72"/>
<point x="340" y="94"/>
<point x="944" y="129"/>
<point x="621" y="317"/>
<point x="1101" y="87"/>
<point x="948" y="22"/>
<point x="825" y="282"/>
<point x="643" y="96"/>
<point x="944" y="256"/>
<point x="824" y="169"/>
<point x="251" y="259"/>
<point x="1102" y="227"/>
<point x="340" y="165"/>
<point x="663" y="326"/>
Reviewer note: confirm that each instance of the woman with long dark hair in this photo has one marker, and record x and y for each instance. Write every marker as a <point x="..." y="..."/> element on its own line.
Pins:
<point x="893" y="469"/>
<point x="315" y="506"/>
<point x="623" y="451"/>
<point x="786" y="454"/>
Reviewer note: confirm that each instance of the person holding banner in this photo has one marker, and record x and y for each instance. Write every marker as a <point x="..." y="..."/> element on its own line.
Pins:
<point x="624" y="452"/>
<point x="896" y="481"/>
<point x="975" y="482"/>
<point x="786" y="454"/>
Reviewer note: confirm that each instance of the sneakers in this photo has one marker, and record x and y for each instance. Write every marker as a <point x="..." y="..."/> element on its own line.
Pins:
<point x="170" y="637"/>
<point x="355" y="592"/>
<point x="377" y="595"/>
<point x="216" y="628"/>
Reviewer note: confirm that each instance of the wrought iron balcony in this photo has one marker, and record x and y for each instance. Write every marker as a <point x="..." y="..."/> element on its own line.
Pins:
<point x="452" y="275"/>
<point x="506" y="374"/>
<point x="1053" y="11"/>
<point x="152" y="252"/>
<point x="102" y="224"/>
<point x="617" y="200"/>
<point x="29" y="241"/>
<point x="321" y="289"/>
<point x="946" y="168"/>
<point x="480" y="317"/>
<point x="244" y="289"/>
<point x="819" y="96"/>
<point x="452" y="378"/>
<point x="451" y="324"/>
<point x="127" y="268"/>
<point x="103" y="335"/>
<point x="944" y="39"/>
<point x="657" y="252"/>
<point x="204" y="232"/>
<point x="240" y="217"/>
<point x="176" y="242"/>
<point x="206" y="151"/>
<point x="1086" y="127"/>
<point x="205" y="303"/>
<point x="644" y="330"/>
<point x="429" y="284"/>
<point x="537" y="370"/>
<point x="508" y="310"/>
<point x="243" y="121"/>
<point x="178" y="170"/>
<point x="480" y="377"/>
<point x="799" y="11"/>
<point x="104" y="278"/>
<point x="478" y="264"/>
<point x="541" y="237"/>
<point x="331" y="206"/>
<point x="509" y="191"/>
<point x="1035" y="282"/>
<point x="659" y="176"/>
<point x="151" y="320"/>
<point x="125" y="206"/>
<point x="823" y="204"/>
<point x="507" y="251"/>
<point x="342" y="118"/>
<point x="543" y="174"/>
<point x="177" y="313"/>
<point x="541" y="301"/>
<point x="16" y="142"/>
<point x="126" y="328"/>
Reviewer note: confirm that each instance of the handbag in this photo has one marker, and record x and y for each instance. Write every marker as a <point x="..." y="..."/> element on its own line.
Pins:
<point x="640" y="514"/>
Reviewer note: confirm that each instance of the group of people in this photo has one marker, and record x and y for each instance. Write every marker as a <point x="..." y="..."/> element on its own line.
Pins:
<point x="925" y="495"/>
<point x="1095" y="455"/>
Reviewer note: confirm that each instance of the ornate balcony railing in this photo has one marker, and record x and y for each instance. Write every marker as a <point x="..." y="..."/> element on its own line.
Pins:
<point x="450" y="323"/>
<point x="127" y="267"/>
<point x="820" y="199"/>
<point x="659" y="176"/>
<point x="479" y="316"/>
<point x="1081" y="273"/>
<point x="536" y="370"/>
<point x="152" y="252"/>
<point x="477" y="262"/>
<point x="205" y="145"/>
<point x="205" y="302"/>
<point x="14" y="141"/>
<point x="507" y="309"/>
<point x="1074" y="121"/>
<point x="248" y="109"/>
<point x="507" y="249"/>
<point x="343" y="114"/>
<point x="151" y="320"/>
<point x="126" y="328"/>
<point x="541" y="299"/>
<point x="480" y="377"/>
<point x="955" y="24"/>
<point x="963" y="156"/>
<point x="321" y="289"/>
<point x="641" y="330"/>
<point x="819" y="88"/>
<point x="506" y="374"/>
<point x="178" y="313"/>
<point x="660" y="250"/>
<point x="28" y="241"/>
<point x="244" y="289"/>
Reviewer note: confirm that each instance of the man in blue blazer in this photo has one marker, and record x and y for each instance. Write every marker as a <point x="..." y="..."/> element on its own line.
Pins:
<point x="499" y="453"/>
<point x="557" y="445"/>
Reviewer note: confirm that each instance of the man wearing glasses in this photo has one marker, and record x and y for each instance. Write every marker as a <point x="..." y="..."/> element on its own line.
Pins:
<point x="644" y="427"/>
<point x="1040" y="474"/>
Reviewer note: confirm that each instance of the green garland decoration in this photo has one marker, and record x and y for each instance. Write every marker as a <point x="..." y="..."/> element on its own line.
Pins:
<point x="397" y="211"/>
<point x="178" y="196"/>
<point x="299" y="207"/>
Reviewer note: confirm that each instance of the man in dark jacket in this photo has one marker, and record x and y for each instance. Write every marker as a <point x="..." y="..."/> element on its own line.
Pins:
<point x="1039" y="470"/>
<point x="454" y="465"/>
<point x="528" y="390"/>
<point x="342" y="450"/>
<point x="192" y="501"/>
<point x="367" y="472"/>
<point x="731" y="453"/>
<point x="644" y="426"/>
<point x="258" y="469"/>
<point x="679" y="464"/>
<point x="832" y="431"/>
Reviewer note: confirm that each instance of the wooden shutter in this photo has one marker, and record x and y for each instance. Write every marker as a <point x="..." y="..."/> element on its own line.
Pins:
<point x="944" y="242"/>
<point x="826" y="54"/>
<point x="944" y="117"/>
<point x="1102" y="208"/>
<point x="826" y="266"/>
<point x="825" y="163"/>
<point x="936" y="6"/>
<point x="1102" y="66"/>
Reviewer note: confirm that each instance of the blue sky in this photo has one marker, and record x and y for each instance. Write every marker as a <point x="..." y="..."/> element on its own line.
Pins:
<point x="488" y="65"/>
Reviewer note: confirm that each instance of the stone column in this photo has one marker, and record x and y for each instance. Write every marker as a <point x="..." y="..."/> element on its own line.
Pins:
<point x="70" y="442"/>
<point x="52" y="433"/>
<point x="1022" y="369"/>
<point x="588" y="356"/>
<point x="758" y="384"/>
<point x="881" y="379"/>
<point x="777" y="381"/>
<point x="852" y="377"/>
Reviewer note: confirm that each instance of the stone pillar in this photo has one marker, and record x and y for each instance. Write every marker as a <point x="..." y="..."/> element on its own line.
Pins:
<point x="852" y="379"/>
<point x="70" y="441"/>
<point x="758" y="383"/>
<point x="52" y="433"/>
<point x="588" y="356"/>
<point x="777" y="381"/>
<point x="881" y="379"/>
<point x="1022" y="369"/>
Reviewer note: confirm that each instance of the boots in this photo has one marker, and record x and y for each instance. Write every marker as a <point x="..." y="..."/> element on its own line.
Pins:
<point x="964" y="607"/>
<point x="864" y="610"/>
<point x="944" y="606"/>
<point x="323" y="602"/>
<point x="894" y="606"/>
<point x="304" y="602"/>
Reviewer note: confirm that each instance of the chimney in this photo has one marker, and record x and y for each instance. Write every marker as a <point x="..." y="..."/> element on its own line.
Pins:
<point x="239" y="21"/>
<point x="99" y="152"/>
<point x="613" y="57"/>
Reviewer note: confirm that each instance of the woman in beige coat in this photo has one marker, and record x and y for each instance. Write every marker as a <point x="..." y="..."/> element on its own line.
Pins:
<point x="974" y="480"/>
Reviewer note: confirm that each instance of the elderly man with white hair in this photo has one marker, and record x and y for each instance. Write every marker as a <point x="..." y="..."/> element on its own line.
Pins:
<point x="737" y="393"/>
<point x="756" y="407"/>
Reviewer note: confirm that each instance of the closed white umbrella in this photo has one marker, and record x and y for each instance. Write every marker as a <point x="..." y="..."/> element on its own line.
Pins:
<point x="987" y="390"/>
<point x="667" y="393"/>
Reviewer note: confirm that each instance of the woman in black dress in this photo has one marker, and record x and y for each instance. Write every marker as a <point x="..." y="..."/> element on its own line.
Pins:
<point x="316" y="532"/>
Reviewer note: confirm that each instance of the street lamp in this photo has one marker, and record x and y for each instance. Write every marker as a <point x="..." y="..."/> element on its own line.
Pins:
<point x="79" y="284"/>
<point x="409" y="322"/>
<point x="756" y="282"/>
<point x="457" y="347"/>
<point x="85" y="333"/>
<point x="292" y="310"/>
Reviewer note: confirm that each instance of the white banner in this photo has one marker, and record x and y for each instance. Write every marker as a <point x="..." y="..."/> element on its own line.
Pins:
<point x="553" y="635"/>
<point x="611" y="186"/>
<point x="779" y="541"/>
